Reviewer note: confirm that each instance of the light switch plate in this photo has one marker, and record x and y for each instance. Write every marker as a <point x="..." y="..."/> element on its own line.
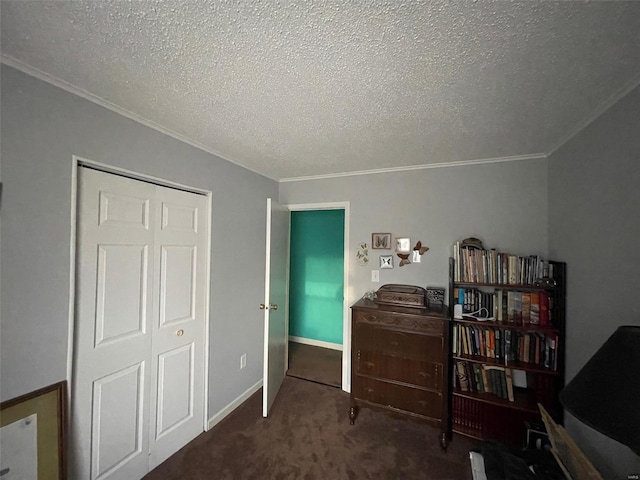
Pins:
<point x="375" y="275"/>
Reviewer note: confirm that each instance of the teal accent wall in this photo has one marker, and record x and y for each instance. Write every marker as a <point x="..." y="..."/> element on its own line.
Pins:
<point x="316" y="275"/>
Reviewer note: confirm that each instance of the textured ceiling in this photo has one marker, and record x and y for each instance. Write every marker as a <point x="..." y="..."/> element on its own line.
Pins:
<point x="294" y="89"/>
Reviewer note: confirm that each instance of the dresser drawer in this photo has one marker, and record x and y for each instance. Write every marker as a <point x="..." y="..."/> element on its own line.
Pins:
<point x="424" y="373"/>
<point x="400" y="321"/>
<point x="399" y="343"/>
<point x="414" y="400"/>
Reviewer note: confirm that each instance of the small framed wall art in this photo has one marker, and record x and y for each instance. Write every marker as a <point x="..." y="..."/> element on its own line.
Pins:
<point x="381" y="241"/>
<point x="386" y="261"/>
<point x="403" y="245"/>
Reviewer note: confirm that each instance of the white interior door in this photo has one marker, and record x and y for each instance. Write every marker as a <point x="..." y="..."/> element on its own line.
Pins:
<point x="138" y="385"/>
<point x="178" y="326"/>
<point x="112" y="371"/>
<point x="275" y="308"/>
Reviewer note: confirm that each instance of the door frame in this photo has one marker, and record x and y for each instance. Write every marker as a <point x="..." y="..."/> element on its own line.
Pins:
<point x="346" y="302"/>
<point x="78" y="162"/>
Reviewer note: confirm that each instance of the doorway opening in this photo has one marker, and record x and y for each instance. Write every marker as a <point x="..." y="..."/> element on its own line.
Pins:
<point x="317" y="281"/>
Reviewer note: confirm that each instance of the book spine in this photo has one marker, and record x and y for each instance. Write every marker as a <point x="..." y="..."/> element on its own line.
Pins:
<point x="463" y="380"/>
<point x="499" y="310"/>
<point x="526" y="308"/>
<point x="454" y="343"/>
<point x="509" y="384"/>
<point x="534" y="316"/>
<point x="517" y="306"/>
<point x="511" y="307"/>
<point x="503" y="384"/>
<point x="485" y="380"/>
<point x="544" y="309"/>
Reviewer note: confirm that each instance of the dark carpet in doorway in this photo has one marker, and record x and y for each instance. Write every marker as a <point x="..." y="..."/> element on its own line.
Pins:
<point x="317" y="364"/>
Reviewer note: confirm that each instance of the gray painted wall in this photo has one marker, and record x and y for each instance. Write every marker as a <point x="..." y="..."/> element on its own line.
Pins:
<point x="42" y="127"/>
<point x="594" y="226"/>
<point x="503" y="204"/>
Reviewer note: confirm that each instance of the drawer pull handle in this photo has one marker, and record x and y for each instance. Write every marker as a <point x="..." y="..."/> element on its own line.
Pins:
<point x="369" y="390"/>
<point x="424" y="374"/>
<point x="369" y="364"/>
<point x="395" y="344"/>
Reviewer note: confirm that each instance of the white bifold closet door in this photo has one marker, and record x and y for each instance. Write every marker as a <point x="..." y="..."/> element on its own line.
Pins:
<point x="138" y="378"/>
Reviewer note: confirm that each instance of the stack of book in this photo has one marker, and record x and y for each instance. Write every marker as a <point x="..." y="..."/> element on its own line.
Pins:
<point x="506" y="346"/>
<point x="507" y="306"/>
<point x="482" y="378"/>
<point x="475" y="265"/>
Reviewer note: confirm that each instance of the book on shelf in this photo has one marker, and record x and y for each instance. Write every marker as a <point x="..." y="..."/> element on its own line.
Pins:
<point x="460" y="295"/>
<point x="544" y="309"/>
<point x="476" y="265"/>
<point x="502" y="381"/>
<point x="514" y="306"/>
<point x="517" y="314"/>
<point x="454" y="344"/>
<point x="534" y="311"/>
<point x="506" y="306"/>
<point x="526" y="307"/>
<point x="475" y="347"/>
<point x="477" y="373"/>
<point x="550" y="357"/>
<point x="506" y="345"/>
<point x="492" y="344"/>
<point x="463" y="379"/>
<point x="513" y="269"/>
<point x="485" y="381"/>
<point x="526" y="354"/>
<point x="539" y="348"/>
<point x="509" y="382"/>
<point x="465" y="339"/>
<point x="498" y="305"/>
<point x="481" y="341"/>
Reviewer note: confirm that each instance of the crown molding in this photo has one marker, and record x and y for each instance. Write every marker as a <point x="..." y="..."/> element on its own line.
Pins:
<point x="461" y="163"/>
<point x="66" y="86"/>
<point x="62" y="84"/>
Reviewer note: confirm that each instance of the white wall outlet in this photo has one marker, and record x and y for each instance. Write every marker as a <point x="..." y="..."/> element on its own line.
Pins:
<point x="243" y="360"/>
<point x="375" y="275"/>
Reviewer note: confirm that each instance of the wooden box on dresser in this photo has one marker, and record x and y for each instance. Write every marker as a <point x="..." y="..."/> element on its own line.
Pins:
<point x="400" y="362"/>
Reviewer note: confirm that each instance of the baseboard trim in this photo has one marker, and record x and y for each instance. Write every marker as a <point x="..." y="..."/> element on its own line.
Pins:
<point x="218" y="417"/>
<point x="316" y="343"/>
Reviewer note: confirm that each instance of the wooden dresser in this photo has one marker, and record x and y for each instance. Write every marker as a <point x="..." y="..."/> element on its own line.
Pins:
<point x="400" y="362"/>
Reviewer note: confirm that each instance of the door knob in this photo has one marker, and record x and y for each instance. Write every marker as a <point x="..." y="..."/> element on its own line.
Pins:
<point x="180" y="332"/>
<point x="273" y="306"/>
<point x="263" y="307"/>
